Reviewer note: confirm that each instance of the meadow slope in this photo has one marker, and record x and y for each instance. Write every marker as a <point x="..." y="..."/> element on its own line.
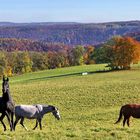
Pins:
<point x="89" y="105"/>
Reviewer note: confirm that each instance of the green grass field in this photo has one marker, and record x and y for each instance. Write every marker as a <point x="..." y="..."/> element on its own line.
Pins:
<point x="89" y="105"/>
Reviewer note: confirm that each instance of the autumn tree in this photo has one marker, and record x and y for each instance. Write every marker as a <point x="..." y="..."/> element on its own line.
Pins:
<point x="39" y="61"/>
<point x="122" y="52"/>
<point x="11" y="58"/>
<point x="63" y="58"/>
<point x="88" y="55"/>
<point x="23" y="63"/>
<point x="3" y="63"/>
<point x="75" y="56"/>
<point x="56" y="60"/>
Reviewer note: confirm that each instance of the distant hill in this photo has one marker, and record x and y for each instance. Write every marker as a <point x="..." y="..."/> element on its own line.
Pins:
<point x="13" y="44"/>
<point x="68" y="33"/>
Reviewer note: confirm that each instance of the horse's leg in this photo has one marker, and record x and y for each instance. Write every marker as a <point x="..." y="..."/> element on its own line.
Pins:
<point x="21" y="122"/>
<point x="1" y="119"/>
<point x="124" y="121"/>
<point x="16" y="121"/>
<point x="128" y="121"/>
<point x="3" y="125"/>
<point x="36" y="125"/>
<point x="8" y="118"/>
<point x="39" y="120"/>
<point x="12" y="120"/>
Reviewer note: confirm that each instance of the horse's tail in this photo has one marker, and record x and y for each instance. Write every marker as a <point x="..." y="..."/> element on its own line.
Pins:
<point x="120" y="116"/>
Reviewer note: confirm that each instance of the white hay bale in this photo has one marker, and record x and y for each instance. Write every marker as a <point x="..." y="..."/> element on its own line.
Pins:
<point x="84" y="73"/>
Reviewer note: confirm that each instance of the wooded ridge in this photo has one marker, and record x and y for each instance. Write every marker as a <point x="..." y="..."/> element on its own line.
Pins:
<point x="68" y="33"/>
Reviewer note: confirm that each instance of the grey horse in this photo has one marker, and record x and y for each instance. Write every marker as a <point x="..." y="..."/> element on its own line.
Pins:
<point x="34" y="112"/>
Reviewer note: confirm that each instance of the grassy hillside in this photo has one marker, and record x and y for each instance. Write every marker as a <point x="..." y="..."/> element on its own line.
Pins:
<point x="89" y="105"/>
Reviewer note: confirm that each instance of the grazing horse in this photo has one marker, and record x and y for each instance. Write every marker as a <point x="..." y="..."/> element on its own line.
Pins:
<point x="127" y="111"/>
<point x="34" y="112"/>
<point x="8" y="102"/>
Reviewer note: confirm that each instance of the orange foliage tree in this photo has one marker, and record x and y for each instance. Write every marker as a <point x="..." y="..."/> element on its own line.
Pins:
<point x="122" y="52"/>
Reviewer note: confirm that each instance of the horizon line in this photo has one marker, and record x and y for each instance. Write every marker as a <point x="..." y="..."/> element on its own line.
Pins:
<point x="35" y="22"/>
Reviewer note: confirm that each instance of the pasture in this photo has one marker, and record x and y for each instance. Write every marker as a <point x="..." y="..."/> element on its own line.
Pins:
<point x="89" y="105"/>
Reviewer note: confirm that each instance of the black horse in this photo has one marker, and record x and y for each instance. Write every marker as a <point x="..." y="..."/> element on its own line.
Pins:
<point x="7" y="105"/>
<point x="4" y="113"/>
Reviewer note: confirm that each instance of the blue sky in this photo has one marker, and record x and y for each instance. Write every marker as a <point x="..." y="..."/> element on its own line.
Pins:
<point x="69" y="10"/>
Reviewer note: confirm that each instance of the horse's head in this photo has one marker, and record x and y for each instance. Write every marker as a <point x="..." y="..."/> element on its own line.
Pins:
<point x="56" y="113"/>
<point x="5" y="85"/>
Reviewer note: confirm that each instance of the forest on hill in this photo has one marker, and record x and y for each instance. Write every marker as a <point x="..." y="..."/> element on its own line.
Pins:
<point x="68" y="33"/>
<point x="13" y="44"/>
<point x="118" y="52"/>
<point x="30" y="47"/>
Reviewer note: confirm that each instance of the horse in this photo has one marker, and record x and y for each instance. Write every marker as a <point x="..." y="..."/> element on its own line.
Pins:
<point x="8" y="102"/>
<point x="127" y="111"/>
<point x="4" y="113"/>
<point x="34" y="112"/>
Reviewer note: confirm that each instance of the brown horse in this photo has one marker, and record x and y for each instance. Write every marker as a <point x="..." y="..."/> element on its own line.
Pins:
<point x="127" y="111"/>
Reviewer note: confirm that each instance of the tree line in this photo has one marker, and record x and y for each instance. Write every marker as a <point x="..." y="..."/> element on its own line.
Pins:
<point x="18" y="62"/>
<point x="118" y="52"/>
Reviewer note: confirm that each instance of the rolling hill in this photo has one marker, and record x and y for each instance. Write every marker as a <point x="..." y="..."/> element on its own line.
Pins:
<point x="68" y="33"/>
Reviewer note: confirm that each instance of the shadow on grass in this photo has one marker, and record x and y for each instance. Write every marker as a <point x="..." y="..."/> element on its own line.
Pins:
<point x="55" y="76"/>
<point x="71" y="74"/>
